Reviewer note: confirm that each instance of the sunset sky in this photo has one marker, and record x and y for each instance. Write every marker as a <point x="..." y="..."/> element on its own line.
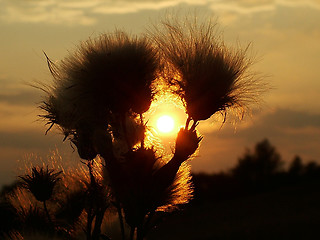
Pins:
<point x="285" y="43"/>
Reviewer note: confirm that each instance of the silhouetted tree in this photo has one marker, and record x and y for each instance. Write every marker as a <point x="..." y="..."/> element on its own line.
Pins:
<point x="312" y="172"/>
<point x="257" y="168"/>
<point x="296" y="166"/>
<point x="295" y="170"/>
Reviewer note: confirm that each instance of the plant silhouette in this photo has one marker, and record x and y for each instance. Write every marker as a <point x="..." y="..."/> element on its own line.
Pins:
<point x="98" y="99"/>
<point x="220" y="195"/>
<point x="41" y="184"/>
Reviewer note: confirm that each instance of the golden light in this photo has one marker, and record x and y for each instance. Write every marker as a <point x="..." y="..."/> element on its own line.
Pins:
<point x="165" y="118"/>
<point x="165" y="124"/>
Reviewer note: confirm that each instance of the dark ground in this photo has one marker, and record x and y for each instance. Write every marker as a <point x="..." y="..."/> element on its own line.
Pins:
<point x="289" y="212"/>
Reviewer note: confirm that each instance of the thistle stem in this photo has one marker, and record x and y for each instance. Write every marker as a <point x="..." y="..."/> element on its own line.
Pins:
<point x="148" y="221"/>
<point x="132" y="230"/>
<point x="125" y="131"/>
<point x="194" y="125"/>
<point x="97" y="226"/>
<point x="143" y="135"/>
<point x="187" y="122"/>
<point x="121" y="222"/>
<point x="164" y="177"/>
<point x="90" y="213"/>
<point x="47" y="212"/>
<point x="92" y="179"/>
<point x="140" y="234"/>
<point x="89" y="223"/>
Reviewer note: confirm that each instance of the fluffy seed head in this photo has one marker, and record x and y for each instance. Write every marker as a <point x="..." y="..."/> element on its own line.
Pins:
<point x="208" y="76"/>
<point x="112" y="74"/>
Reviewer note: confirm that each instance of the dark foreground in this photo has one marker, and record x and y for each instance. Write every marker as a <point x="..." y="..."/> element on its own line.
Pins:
<point x="291" y="212"/>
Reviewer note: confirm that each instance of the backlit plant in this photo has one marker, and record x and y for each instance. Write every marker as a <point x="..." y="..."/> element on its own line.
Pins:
<point x="99" y="97"/>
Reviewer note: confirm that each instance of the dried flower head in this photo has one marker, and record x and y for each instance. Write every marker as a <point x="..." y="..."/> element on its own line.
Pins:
<point x="208" y="76"/>
<point x="111" y="74"/>
<point x="41" y="182"/>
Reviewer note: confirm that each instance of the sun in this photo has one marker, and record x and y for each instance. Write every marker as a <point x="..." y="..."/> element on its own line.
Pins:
<point x="165" y="124"/>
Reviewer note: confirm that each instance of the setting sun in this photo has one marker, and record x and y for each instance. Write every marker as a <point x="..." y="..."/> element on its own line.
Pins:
<point x="165" y="124"/>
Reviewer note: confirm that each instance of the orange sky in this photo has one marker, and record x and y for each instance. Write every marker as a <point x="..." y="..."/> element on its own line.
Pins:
<point x="285" y="37"/>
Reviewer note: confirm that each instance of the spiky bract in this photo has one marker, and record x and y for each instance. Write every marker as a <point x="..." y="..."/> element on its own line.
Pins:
<point x="41" y="182"/>
<point x="208" y="76"/>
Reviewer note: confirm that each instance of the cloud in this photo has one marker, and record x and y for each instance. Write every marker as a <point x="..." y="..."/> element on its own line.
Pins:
<point x="47" y="11"/>
<point x="267" y="11"/>
<point x="18" y="106"/>
<point x="278" y="123"/>
<point x="242" y="7"/>
<point x="27" y="96"/>
<point x="255" y="6"/>
<point x="286" y="118"/>
<point x="85" y="12"/>
<point x="80" y="12"/>
<point x="295" y="132"/>
<point x="301" y="3"/>
<point x="123" y="7"/>
<point x="28" y="140"/>
<point x="291" y="132"/>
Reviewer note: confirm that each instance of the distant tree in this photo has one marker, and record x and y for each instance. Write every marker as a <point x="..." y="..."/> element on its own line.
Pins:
<point x="312" y="171"/>
<point x="296" y="167"/>
<point x="259" y="166"/>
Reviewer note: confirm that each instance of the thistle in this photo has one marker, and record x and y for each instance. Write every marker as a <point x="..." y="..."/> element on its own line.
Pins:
<point x="111" y="74"/>
<point x="99" y="96"/>
<point x="107" y="80"/>
<point x="202" y="71"/>
<point x="41" y="183"/>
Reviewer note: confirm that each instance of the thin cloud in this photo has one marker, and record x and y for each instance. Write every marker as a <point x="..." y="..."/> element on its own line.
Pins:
<point x="249" y="6"/>
<point x="17" y="94"/>
<point x="85" y="12"/>
<point x="241" y="8"/>
<point x="124" y="7"/>
<point x="301" y="3"/>
<point x="48" y="11"/>
<point x="82" y="12"/>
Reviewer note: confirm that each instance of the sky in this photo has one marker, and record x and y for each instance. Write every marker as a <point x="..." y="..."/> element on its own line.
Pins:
<point x="284" y="36"/>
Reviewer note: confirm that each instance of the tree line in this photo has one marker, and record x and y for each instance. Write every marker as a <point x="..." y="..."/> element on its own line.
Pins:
<point x="258" y="170"/>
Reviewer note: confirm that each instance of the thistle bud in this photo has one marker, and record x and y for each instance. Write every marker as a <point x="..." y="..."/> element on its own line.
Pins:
<point x="41" y="182"/>
<point x="187" y="143"/>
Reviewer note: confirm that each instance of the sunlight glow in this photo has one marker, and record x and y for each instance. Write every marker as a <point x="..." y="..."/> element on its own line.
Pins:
<point x="165" y="124"/>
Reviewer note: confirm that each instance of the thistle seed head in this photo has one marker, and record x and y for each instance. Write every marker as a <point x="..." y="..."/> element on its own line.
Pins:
<point x="111" y="74"/>
<point x="208" y="76"/>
